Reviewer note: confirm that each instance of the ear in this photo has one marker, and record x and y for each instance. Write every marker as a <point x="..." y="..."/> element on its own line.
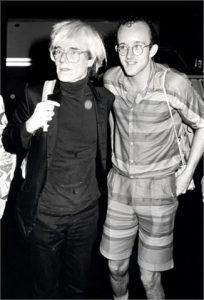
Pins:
<point x="153" y="50"/>
<point x="51" y="56"/>
<point x="91" y="62"/>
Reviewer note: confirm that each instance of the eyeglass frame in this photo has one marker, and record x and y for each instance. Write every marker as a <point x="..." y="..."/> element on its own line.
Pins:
<point x="132" y="47"/>
<point x="79" y="52"/>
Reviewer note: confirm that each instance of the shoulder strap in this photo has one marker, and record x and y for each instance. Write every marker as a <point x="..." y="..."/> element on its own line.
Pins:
<point x="47" y="89"/>
<point x="172" y="119"/>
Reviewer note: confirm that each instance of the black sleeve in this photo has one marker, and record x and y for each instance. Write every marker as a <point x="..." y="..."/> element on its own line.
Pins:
<point x="15" y="138"/>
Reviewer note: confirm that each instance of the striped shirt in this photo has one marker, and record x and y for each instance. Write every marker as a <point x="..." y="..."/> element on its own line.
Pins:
<point x="143" y="139"/>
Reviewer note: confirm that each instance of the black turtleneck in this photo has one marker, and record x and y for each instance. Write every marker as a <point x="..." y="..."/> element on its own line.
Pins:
<point x="71" y="183"/>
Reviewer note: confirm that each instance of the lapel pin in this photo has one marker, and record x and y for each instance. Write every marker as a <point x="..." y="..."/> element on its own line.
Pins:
<point x="88" y="104"/>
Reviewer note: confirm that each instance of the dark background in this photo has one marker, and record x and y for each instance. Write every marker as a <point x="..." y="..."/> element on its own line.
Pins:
<point x="180" y="24"/>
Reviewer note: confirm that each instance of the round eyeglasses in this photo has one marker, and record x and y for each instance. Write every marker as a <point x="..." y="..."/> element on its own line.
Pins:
<point x="137" y="49"/>
<point x="72" y="54"/>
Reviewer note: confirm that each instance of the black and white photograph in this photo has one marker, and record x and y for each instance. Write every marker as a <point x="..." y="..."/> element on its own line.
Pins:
<point x="101" y="149"/>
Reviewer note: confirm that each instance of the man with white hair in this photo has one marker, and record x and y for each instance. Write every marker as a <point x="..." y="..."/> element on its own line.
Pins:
<point x="57" y="206"/>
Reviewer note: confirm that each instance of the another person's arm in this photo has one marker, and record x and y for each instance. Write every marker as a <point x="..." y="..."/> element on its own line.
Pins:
<point x="7" y="163"/>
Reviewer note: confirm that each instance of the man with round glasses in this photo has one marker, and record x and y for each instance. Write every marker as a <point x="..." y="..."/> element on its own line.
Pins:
<point x="57" y="206"/>
<point x="137" y="48"/>
<point x="142" y="188"/>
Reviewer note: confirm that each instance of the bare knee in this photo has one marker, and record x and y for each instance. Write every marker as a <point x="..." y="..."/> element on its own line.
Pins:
<point x="118" y="267"/>
<point x="150" y="278"/>
<point x="152" y="284"/>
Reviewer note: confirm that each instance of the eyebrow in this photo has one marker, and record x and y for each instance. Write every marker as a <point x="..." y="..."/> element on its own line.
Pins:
<point x="134" y="43"/>
<point x="75" y="48"/>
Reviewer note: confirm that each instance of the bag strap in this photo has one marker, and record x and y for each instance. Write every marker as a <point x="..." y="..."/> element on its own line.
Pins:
<point x="172" y="119"/>
<point x="47" y="90"/>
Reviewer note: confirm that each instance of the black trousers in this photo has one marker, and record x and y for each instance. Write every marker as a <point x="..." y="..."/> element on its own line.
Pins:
<point x="60" y="251"/>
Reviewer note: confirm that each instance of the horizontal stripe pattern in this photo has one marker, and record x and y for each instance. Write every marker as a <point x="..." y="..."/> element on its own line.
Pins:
<point x="145" y="204"/>
<point x="143" y="138"/>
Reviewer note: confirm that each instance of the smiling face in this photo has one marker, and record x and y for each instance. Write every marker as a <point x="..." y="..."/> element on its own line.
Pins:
<point x="68" y="71"/>
<point x="136" y="33"/>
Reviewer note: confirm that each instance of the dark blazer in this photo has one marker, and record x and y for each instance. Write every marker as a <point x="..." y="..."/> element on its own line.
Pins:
<point x="39" y="146"/>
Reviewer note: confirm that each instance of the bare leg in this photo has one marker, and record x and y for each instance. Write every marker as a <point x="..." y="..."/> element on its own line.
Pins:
<point x="119" y="277"/>
<point x="152" y="284"/>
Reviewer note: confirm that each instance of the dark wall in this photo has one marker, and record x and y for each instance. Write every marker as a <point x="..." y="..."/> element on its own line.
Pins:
<point x="26" y="25"/>
<point x="180" y="22"/>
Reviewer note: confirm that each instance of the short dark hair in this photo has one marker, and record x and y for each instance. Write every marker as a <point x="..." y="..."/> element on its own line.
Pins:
<point x="152" y="26"/>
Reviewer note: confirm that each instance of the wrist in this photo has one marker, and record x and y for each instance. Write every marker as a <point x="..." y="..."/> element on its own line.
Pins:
<point x="189" y="171"/>
<point x="28" y="127"/>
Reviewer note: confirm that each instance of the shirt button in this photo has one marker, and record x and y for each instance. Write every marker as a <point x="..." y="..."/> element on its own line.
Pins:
<point x="131" y="143"/>
<point x="132" y="109"/>
<point x="75" y="191"/>
<point x="131" y="161"/>
<point x="131" y="176"/>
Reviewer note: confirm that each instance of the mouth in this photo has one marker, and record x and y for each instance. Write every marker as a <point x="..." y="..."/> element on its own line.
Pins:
<point x="131" y="62"/>
<point x="64" y="69"/>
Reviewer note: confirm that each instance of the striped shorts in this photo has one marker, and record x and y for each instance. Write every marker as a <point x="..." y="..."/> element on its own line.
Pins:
<point x="144" y="205"/>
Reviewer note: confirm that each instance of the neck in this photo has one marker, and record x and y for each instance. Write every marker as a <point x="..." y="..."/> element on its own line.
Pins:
<point x="74" y="86"/>
<point x="74" y="89"/>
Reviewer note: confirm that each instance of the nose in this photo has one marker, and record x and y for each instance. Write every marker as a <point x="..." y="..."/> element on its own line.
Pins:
<point x="129" y="52"/>
<point x="63" y="57"/>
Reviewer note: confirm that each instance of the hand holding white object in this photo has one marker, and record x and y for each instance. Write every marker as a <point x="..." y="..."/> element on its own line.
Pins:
<point x="43" y="113"/>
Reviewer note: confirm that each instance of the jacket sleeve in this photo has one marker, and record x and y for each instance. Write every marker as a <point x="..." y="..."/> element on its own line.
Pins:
<point x="15" y="138"/>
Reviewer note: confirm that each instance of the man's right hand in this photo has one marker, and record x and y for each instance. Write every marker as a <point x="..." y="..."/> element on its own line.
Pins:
<point x="43" y="113"/>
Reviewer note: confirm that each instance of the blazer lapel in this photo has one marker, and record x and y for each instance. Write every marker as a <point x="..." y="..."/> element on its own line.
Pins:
<point x="100" y="110"/>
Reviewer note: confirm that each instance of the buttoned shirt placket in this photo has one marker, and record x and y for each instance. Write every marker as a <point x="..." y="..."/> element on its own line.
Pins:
<point x="131" y="107"/>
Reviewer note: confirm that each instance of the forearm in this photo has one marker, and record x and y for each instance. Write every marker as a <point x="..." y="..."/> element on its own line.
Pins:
<point x="197" y="150"/>
<point x="15" y="136"/>
<point x="16" y="139"/>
